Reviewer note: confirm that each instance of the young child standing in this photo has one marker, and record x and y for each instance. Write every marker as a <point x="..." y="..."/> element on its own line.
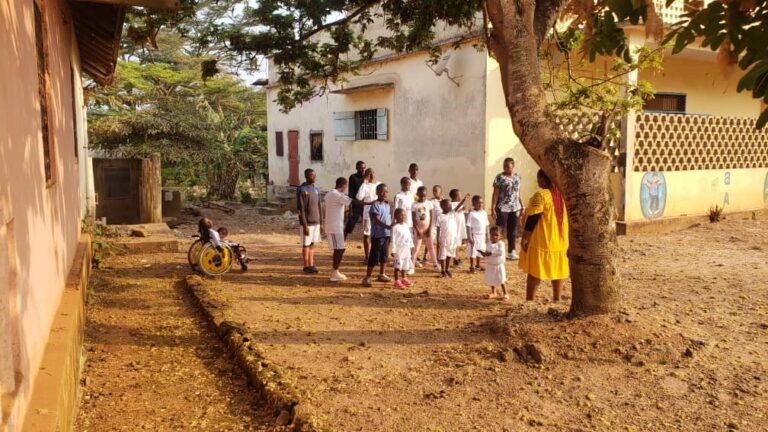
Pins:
<point x="477" y="232"/>
<point x="402" y="241"/>
<point x="423" y="228"/>
<point x="461" y="220"/>
<point x="495" y="273"/>
<point x="367" y="193"/>
<point x="448" y="237"/>
<point x="404" y="200"/>
<point x="437" y="196"/>
<point x="381" y="234"/>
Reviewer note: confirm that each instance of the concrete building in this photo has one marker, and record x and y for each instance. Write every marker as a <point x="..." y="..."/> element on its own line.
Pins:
<point x="45" y="190"/>
<point x="692" y="147"/>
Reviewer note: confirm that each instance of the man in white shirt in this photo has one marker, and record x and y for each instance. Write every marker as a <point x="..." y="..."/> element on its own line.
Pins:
<point x="336" y="202"/>
<point x="413" y="171"/>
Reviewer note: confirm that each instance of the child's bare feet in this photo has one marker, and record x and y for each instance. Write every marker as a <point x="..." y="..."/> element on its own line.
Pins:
<point x="505" y="297"/>
<point x="493" y="296"/>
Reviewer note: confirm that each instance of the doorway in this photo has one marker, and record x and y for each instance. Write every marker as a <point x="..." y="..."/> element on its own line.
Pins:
<point x="293" y="158"/>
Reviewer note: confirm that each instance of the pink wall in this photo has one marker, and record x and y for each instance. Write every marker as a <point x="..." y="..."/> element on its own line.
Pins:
<point x="44" y="221"/>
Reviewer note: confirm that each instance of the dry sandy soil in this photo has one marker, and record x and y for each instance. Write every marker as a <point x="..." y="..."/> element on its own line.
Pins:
<point x="151" y="362"/>
<point x="688" y="352"/>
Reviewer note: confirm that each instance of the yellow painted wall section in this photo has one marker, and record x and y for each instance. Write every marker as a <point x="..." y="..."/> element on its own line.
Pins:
<point x="707" y="90"/>
<point x="501" y="141"/>
<point x="692" y="193"/>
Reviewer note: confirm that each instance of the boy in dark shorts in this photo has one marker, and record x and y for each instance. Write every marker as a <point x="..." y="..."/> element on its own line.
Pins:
<point x="381" y="233"/>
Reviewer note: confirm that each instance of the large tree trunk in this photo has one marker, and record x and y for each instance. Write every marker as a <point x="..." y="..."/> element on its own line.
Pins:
<point x="580" y="171"/>
<point x="225" y="184"/>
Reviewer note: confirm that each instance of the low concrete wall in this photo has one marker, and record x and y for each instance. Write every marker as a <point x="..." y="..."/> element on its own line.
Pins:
<point x="56" y="392"/>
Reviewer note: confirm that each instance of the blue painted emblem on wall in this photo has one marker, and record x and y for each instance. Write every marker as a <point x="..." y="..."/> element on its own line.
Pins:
<point x="653" y="194"/>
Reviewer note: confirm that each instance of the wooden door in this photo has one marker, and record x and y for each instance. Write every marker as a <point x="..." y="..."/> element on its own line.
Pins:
<point x="293" y="158"/>
<point x="117" y="190"/>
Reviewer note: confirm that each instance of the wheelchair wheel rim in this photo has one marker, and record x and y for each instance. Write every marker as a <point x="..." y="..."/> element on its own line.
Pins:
<point x="210" y="266"/>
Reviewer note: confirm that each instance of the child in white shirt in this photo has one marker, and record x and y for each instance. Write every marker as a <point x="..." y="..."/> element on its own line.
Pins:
<point x="460" y="214"/>
<point x="404" y="200"/>
<point x="402" y="243"/>
<point x="495" y="272"/>
<point x="477" y="232"/>
<point x="448" y="237"/>
<point x="367" y="193"/>
<point x="423" y="227"/>
<point x="437" y="196"/>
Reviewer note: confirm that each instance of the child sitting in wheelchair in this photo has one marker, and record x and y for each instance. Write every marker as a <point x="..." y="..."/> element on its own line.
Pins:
<point x="238" y="250"/>
<point x="216" y="238"/>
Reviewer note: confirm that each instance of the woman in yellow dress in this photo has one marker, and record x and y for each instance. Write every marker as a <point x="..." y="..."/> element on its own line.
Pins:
<point x="545" y="239"/>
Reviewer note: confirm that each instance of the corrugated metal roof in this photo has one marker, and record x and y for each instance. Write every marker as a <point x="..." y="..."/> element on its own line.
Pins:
<point x="98" y="28"/>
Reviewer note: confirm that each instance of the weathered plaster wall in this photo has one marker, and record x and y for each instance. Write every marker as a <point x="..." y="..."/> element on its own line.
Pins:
<point x="44" y="221"/>
<point x="432" y="122"/>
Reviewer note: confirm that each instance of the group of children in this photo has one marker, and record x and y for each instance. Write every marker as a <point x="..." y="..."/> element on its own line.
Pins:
<point x="443" y="225"/>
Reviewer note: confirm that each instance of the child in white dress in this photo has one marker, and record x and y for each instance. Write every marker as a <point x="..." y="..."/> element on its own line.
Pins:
<point x="477" y="232"/>
<point x="460" y="214"/>
<point x="402" y="243"/>
<point x="495" y="272"/>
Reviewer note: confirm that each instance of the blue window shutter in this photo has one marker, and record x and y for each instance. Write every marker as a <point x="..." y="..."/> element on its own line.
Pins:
<point x="344" y="125"/>
<point x="381" y="124"/>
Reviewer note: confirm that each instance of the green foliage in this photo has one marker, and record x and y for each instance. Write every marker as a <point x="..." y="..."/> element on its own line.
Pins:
<point x="573" y="87"/>
<point x="206" y="128"/>
<point x="102" y="237"/>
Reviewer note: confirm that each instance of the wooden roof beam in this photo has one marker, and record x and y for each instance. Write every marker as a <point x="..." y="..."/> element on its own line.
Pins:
<point x="152" y="4"/>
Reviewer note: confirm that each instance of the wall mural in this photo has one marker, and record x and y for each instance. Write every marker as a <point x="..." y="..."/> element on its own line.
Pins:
<point x="653" y="194"/>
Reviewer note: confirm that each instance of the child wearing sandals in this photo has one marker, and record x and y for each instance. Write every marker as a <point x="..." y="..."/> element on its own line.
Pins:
<point x="402" y="242"/>
<point x="495" y="273"/>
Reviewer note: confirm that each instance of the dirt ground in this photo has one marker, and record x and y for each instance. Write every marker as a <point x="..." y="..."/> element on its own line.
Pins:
<point x="688" y="352"/>
<point x="152" y="364"/>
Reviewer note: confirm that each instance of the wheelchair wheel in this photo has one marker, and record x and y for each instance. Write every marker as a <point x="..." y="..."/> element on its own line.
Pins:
<point x="213" y="263"/>
<point x="193" y="254"/>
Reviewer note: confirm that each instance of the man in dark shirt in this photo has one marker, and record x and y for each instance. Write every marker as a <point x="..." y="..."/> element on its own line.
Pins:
<point x="311" y="219"/>
<point x="356" y="212"/>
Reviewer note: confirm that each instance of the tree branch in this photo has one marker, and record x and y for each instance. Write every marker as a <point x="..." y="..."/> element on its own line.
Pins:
<point x="545" y="16"/>
<point x="338" y="22"/>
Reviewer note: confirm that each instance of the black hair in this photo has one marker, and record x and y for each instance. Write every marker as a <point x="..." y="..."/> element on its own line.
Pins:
<point x="454" y="194"/>
<point x="476" y="198"/>
<point x="421" y="188"/>
<point x="380" y="187"/>
<point x="399" y="211"/>
<point x="446" y="201"/>
<point x="341" y="181"/>
<point x="405" y="179"/>
<point x="307" y="171"/>
<point x="494" y="230"/>
<point x="509" y="160"/>
<point x="544" y="176"/>
<point x="358" y="163"/>
<point x="437" y="186"/>
<point x="412" y="166"/>
<point x="202" y="229"/>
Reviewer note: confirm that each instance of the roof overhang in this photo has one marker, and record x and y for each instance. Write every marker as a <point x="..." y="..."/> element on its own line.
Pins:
<point x="98" y="27"/>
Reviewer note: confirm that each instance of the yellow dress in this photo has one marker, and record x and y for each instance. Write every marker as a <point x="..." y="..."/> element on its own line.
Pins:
<point x="547" y="255"/>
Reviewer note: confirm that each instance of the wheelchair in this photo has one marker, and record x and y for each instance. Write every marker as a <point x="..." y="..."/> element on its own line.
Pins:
<point x="206" y="259"/>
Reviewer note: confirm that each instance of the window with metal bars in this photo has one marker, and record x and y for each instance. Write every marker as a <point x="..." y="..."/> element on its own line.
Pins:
<point x="316" y="146"/>
<point x="666" y="102"/>
<point x="365" y="125"/>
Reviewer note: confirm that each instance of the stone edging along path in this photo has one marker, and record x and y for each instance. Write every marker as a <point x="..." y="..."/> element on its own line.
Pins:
<point x="266" y="377"/>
